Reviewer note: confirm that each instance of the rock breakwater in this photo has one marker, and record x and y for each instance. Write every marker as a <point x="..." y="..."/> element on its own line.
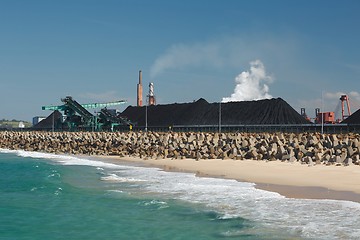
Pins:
<point x="307" y="148"/>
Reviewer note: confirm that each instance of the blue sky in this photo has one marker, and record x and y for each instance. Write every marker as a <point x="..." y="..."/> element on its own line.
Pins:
<point x="93" y="50"/>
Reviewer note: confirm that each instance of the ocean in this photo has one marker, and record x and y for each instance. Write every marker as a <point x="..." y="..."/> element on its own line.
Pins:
<point x="47" y="196"/>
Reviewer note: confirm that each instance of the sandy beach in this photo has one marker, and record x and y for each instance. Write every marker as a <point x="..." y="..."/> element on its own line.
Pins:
<point x="312" y="165"/>
<point x="293" y="180"/>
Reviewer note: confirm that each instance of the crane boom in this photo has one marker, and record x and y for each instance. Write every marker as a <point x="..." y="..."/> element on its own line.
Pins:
<point x="343" y="99"/>
<point x="86" y="105"/>
<point x="102" y="105"/>
<point x="79" y="117"/>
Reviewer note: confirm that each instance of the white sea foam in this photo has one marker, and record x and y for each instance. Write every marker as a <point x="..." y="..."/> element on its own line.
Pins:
<point x="319" y="219"/>
<point x="116" y="191"/>
<point x="315" y="219"/>
<point x="115" y="178"/>
<point x="4" y="150"/>
<point x="156" y="203"/>
<point x="58" y="191"/>
<point x="62" y="159"/>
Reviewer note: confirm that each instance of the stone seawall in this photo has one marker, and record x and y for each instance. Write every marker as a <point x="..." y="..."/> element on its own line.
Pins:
<point x="307" y="148"/>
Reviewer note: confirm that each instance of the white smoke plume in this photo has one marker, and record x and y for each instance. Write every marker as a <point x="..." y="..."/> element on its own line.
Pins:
<point x="180" y="56"/>
<point x="252" y="84"/>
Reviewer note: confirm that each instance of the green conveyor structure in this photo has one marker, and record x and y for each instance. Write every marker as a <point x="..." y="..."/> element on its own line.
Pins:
<point x="108" y="118"/>
<point x="76" y="107"/>
<point x="78" y="117"/>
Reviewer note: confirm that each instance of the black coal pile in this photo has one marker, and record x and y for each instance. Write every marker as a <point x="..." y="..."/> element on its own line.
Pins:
<point x="268" y="111"/>
<point x="53" y="120"/>
<point x="353" y="118"/>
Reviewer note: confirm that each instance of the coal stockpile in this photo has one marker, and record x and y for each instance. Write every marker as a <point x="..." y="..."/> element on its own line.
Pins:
<point x="52" y="121"/>
<point x="268" y="111"/>
<point x="353" y="118"/>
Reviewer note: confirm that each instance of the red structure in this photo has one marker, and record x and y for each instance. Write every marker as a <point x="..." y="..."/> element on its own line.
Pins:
<point x="151" y="95"/>
<point x="324" y="117"/>
<point x="139" y="91"/>
<point x="345" y="99"/>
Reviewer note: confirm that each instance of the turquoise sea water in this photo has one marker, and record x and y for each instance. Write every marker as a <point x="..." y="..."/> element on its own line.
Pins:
<point x="45" y="196"/>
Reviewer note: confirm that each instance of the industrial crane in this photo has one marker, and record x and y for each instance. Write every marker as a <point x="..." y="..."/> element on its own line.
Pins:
<point x="329" y="117"/>
<point x="345" y="99"/>
<point x="84" y="118"/>
<point x="87" y="105"/>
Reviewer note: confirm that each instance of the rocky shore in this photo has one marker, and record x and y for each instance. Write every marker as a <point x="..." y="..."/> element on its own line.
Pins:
<point x="307" y="148"/>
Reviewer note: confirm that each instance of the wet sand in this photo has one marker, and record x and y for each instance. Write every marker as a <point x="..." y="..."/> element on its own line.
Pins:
<point x="293" y="180"/>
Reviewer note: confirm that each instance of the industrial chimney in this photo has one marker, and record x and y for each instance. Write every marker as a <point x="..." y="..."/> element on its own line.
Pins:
<point x="139" y="90"/>
<point x="151" y="94"/>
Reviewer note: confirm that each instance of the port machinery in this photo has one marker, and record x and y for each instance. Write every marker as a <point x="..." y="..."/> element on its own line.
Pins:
<point x="77" y="117"/>
<point x="329" y="117"/>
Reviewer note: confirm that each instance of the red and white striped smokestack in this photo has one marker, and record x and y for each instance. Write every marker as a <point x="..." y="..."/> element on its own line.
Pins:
<point x="139" y="91"/>
<point x="151" y="94"/>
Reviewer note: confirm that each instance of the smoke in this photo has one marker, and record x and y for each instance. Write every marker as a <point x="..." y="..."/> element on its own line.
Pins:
<point x="100" y="97"/>
<point x="252" y="84"/>
<point x="180" y="56"/>
<point x="221" y="53"/>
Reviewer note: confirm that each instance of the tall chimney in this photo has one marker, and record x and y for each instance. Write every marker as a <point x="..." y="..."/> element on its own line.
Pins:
<point x="139" y="91"/>
<point x="151" y="94"/>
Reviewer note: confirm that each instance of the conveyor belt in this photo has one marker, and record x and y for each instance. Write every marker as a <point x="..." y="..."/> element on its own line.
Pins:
<point x="113" y="118"/>
<point x="75" y="106"/>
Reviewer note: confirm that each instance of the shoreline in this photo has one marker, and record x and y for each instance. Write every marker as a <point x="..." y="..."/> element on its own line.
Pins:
<point x="323" y="182"/>
<point x="302" y="181"/>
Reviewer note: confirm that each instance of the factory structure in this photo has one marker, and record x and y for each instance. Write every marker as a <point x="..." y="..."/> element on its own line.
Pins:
<point x="261" y="115"/>
<point x="330" y="117"/>
<point x="73" y="116"/>
<point x="139" y="98"/>
<point x="150" y="98"/>
<point x="76" y="116"/>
